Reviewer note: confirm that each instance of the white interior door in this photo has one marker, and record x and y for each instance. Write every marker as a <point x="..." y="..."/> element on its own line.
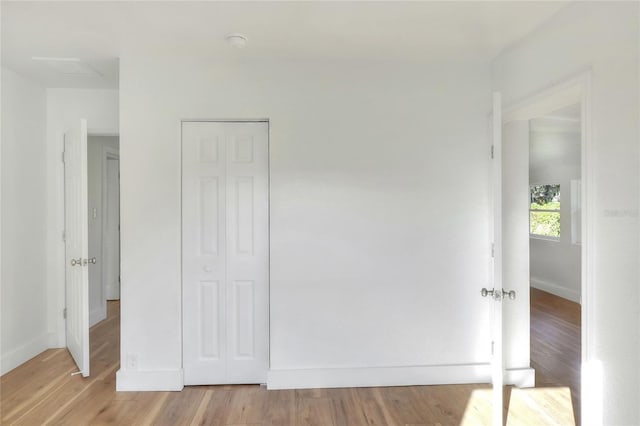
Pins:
<point x="112" y="229"/>
<point x="225" y="252"/>
<point x="76" y="245"/>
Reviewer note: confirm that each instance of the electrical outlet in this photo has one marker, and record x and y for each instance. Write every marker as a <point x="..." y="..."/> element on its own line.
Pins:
<point x="132" y="361"/>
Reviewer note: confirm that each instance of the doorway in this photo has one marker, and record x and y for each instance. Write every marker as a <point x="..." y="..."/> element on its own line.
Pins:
<point x="103" y="184"/>
<point x="553" y="137"/>
<point x="555" y="252"/>
<point x="225" y="252"/>
<point x="86" y="198"/>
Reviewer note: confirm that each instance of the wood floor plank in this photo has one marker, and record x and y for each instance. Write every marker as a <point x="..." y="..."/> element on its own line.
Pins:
<point x="180" y="407"/>
<point x="202" y="408"/>
<point x="217" y="409"/>
<point x="314" y="412"/>
<point x="346" y="411"/>
<point x="247" y="405"/>
<point x="280" y="407"/>
<point x="478" y="404"/>
<point x="157" y="402"/>
<point x="89" y="401"/>
<point x="87" y="406"/>
<point x="116" y="412"/>
<point x="373" y="409"/>
<point x="400" y="404"/>
<point x="41" y="410"/>
<point x="34" y="386"/>
<point x="25" y="403"/>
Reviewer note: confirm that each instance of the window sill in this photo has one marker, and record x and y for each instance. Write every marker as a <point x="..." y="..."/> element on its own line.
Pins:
<point x="544" y="238"/>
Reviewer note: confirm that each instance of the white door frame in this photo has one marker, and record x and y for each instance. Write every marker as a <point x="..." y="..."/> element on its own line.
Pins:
<point x="233" y="120"/>
<point x="108" y="153"/>
<point x="571" y="91"/>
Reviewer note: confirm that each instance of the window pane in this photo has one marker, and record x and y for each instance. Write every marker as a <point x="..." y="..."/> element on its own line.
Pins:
<point x="544" y="223"/>
<point x="545" y="197"/>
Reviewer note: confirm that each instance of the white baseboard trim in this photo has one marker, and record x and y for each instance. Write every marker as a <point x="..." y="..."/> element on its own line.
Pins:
<point x="521" y="377"/>
<point x="558" y="290"/>
<point x="97" y="315"/>
<point x="164" y="380"/>
<point x="393" y="376"/>
<point x="378" y="376"/>
<point x="173" y="380"/>
<point x="15" y="357"/>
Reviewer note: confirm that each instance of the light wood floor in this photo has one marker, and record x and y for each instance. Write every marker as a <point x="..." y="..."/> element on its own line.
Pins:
<point x="42" y="391"/>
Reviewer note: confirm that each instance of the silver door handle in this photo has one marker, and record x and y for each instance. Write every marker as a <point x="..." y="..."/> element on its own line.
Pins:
<point x="498" y="295"/>
<point x="87" y="261"/>
<point x="510" y="294"/>
<point x="484" y="292"/>
<point x="77" y="261"/>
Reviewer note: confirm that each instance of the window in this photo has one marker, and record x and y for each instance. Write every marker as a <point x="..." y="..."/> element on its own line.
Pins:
<point x="544" y="210"/>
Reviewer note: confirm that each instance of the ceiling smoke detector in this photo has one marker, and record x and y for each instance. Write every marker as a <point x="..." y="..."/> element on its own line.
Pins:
<point x="236" y="40"/>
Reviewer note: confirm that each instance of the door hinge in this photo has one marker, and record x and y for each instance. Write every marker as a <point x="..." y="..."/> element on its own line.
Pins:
<point x="64" y="236"/>
<point x="63" y="156"/>
<point x="492" y="344"/>
<point x="492" y="149"/>
<point x="493" y="249"/>
<point x="64" y="313"/>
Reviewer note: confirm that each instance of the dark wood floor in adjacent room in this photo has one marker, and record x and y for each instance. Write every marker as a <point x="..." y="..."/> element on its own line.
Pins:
<point x="42" y="391"/>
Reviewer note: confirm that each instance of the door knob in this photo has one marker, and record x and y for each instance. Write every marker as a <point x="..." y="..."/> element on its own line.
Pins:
<point x="87" y="261"/>
<point x="207" y="269"/>
<point x="498" y="295"/>
<point x="77" y="261"/>
<point x="510" y="294"/>
<point x="484" y="292"/>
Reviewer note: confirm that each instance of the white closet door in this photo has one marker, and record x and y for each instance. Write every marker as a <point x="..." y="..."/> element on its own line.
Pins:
<point x="225" y="252"/>
<point x="247" y="252"/>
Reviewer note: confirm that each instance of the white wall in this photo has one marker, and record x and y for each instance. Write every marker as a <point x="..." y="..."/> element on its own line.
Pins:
<point x="65" y="108"/>
<point x="24" y="219"/>
<point x="602" y="37"/>
<point x="95" y="162"/>
<point x="555" y="265"/>
<point x="379" y="232"/>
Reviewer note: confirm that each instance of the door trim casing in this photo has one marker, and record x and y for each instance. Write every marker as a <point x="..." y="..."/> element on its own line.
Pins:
<point x="576" y="89"/>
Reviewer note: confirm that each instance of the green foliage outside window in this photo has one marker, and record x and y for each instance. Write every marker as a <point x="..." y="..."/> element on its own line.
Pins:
<point x="544" y="213"/>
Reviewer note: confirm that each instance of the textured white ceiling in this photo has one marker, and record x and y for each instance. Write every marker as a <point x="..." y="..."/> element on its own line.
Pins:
<point x="100" y="32"/>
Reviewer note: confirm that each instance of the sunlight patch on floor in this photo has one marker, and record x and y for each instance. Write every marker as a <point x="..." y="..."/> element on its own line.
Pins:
<point x="541" y="406"/>
<point x="532" y="407"/>
<point x="478" y="411"/>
